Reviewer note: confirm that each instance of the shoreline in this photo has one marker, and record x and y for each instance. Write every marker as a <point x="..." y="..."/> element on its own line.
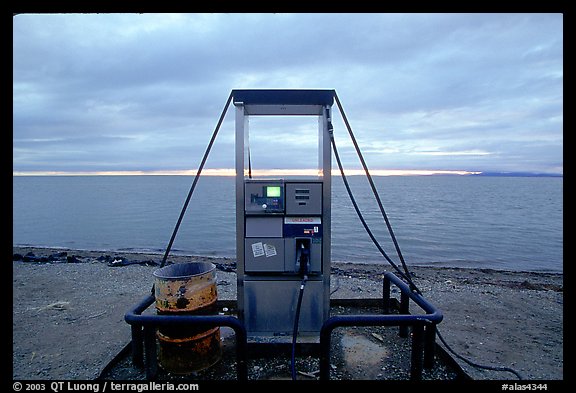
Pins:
<point x="493" y="317"/>
<point x="179" y="255"/>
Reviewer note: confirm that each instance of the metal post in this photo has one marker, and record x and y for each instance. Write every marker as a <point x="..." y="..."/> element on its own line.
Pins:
<point x="429" y="345"/>
<point x="386" y="295"/>
<point x="241" y="140"/>
<point x="241" y="350"/>
<point x="325" y="337"/>
<point x="417" y="348"/>
<point x="404" y="309"/>
<point x="325" y="169"/>
<point x="137" y="346"/>
<point x="150" y="350"/>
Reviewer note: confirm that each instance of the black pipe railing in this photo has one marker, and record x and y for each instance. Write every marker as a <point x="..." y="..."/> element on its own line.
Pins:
<point x="423" y="327"/>
<point x="144" y="335"/>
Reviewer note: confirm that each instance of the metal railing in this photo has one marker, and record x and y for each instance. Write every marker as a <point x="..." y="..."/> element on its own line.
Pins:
<point x="144" y="335"/>
<point x="423" y="328"/>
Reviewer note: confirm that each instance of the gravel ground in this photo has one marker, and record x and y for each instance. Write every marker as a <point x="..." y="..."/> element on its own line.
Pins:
<point x="68" y="314"/>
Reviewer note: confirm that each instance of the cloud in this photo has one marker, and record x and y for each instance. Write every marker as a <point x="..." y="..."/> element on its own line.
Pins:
<point x="144" y="91"/>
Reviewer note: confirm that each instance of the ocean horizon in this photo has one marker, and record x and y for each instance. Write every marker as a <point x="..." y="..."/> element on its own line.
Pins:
<point x="497" y="222"/>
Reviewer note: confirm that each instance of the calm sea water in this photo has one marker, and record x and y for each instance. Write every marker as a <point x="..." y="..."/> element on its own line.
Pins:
<point x="506" y="223"/>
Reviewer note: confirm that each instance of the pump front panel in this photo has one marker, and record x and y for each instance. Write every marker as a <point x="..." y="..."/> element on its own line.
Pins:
<point x="282" y="243"/>
<point x="271" y="307"/>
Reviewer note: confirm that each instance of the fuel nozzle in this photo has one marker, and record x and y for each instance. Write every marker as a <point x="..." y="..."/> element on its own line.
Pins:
<point x="303" y="256"/>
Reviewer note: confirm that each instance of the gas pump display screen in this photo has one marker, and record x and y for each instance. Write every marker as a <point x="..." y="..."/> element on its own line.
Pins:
<point x="264" y="197"/>
<point x="273" y="191"/>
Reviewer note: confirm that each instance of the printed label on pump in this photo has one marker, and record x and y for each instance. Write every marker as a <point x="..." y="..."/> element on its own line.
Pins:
<point x="263" y="249"/>
<point x="302" y="226"/>
<point x="302" y="220"/>
<point x="257" y="249"/>
<point x="270" y="250"/>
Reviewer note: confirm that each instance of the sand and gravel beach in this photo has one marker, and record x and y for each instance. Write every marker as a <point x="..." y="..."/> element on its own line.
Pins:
<point x="68" y="312"/>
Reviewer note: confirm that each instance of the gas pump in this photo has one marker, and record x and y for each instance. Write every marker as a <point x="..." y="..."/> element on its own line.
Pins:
<point x="283" y="236"/>
<point x="283" y="225"/>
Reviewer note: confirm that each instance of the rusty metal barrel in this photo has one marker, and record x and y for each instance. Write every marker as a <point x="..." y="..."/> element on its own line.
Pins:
<point x="187" y="289"/>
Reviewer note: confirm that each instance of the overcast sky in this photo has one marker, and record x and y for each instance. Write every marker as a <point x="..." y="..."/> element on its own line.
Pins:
<point x="143" y="92"/>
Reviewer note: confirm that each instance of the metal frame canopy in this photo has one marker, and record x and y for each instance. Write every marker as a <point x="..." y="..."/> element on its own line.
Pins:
<point x="275" y="102"/>
<point x="316" y="103"/>
<point x="284" y="102"/>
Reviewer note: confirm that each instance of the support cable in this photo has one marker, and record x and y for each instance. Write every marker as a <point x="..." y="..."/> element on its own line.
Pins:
<point x="196" y="177"/>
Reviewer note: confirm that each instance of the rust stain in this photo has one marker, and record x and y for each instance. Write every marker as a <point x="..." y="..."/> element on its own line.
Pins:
<point x="188" y="294"/>
<point x="182" y="302"/>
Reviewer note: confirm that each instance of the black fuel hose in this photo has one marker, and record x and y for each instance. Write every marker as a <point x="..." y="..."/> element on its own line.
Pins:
<point x="295" y="330"/>
<point x="471" y="363"/>
<point x="372" y="186"/>
<point x="405" y="276"/>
